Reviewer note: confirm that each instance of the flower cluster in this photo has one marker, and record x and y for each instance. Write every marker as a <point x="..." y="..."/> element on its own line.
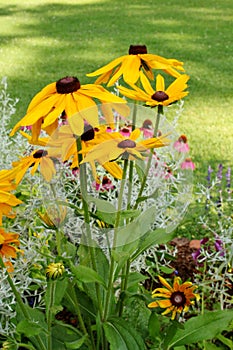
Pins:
<point x="107" y="175"/>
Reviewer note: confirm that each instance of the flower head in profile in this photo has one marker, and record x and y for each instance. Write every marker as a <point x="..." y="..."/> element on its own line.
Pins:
<point x="8" y="247"/>
<point x="55" y="270"/>
<point x="130" y="65"/>
<point x="188" y="164"/>
<point x="66" y="96"/>
<point x="54" y="216"/>
<point x="124" y="147"/>
<point x="175" y="299"/>
<point x="7" y="199"/>
<point x="181" y="145"/>
<point x="160" y="95"/>
<point x="34" y="160"/>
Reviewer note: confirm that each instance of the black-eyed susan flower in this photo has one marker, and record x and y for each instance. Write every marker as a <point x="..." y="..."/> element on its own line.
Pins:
<point x="175" y="299"/>
<point x="7" y="199"/>
<point x="67" y="96"/>
<point x="8" y="247"/>
<point x="54" y="216"/>
<point x="55" y="270"/>
<point x="160" y="95"/>
<point x="34" y="160"/>
<point x="130" y="65"/>
<point x="124" y="147"/>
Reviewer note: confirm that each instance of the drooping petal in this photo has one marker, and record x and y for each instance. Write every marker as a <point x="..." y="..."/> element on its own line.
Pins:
<point x="165" y="283"/>
<point x="160" y="85"/>
<point x="164" y="303"/>
<point x="108" y="67"/>
<point x="46" y="92"/>
<point x="146" y="84"/>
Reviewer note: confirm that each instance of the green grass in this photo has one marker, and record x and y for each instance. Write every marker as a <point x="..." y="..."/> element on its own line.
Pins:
<point x="44" y="40"/>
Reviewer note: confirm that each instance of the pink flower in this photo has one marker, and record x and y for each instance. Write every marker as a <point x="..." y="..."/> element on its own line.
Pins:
<point x="181" y="145"/>
<point x="187" y="164"/>
<point x="105" y="185"/>
<point x="147" y="129"/>
<point x="125" y="131"/>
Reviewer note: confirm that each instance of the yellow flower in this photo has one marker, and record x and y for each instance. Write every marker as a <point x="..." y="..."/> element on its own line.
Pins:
<point x="8" y="247"/>
<point x="7" y="199"/>
<point x="55" y="270"/>
<point x="130" y="65"/>
<point x="176" y="298"/>
<point x="159" y="96"/>
<point x="67" y="96"/>
<point x="36" y="158"/>
<point x="54" y="216"/>
<point x="121" y="146"/>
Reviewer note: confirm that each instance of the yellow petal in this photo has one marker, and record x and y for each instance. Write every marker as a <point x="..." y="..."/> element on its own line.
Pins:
<point x="165" y="283"/>
<point x="108" y="67"/>
<point x="76" y="124"/>
<point x="153" y="304"/>
<point x="146" y="84"/>
<point x="135" y="134"/>
<point x="164" y="303"/>
<point x="178" y="85"/>
<point x="160" y="83"/>
<point x="131" y="68"/>
<point x="114" y="169"/>
<point x="43" y="94"/>
<point x="47" y="168"/>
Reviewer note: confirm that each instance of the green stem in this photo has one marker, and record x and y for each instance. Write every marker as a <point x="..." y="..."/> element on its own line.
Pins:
<point x="112" y="261"/>
<point x="88" y="238"/>
<point x="160" y="112"/>
<point x="21" y="304"/>
<point x="58" y="241"/>
<point x="134" y="115"/>
<point x="124" y="283"/>
<point x="50" y="313"/>
<point x="72" y="297"/>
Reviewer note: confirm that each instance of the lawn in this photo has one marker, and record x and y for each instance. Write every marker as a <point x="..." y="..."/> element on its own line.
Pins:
<point x="44" y="40"/>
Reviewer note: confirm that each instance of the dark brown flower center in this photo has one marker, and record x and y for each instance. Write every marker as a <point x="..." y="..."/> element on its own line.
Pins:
<point x="126" y="144"/>
<point x="1" y="245"/>
<point x="40" y="153"/>
<point x="183" y="139"/>
<point x="67" y="85"/>
<point x="147" y="124"/>
<point x="106" y="180"/>
<point x="160" y="96"/>
<point x="88" y="133"/>
<point x="137" y="49"/>
<point x="178" y="299"/>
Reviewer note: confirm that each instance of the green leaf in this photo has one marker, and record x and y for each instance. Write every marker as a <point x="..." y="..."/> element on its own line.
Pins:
<point x="110" y="218"/>
<point x="154" y="326"/>
<point x="86" y="274"/>
<point x="77" y="343"/>
<point x="151" y="238"/>
<point x="55" y="292"/>
<point x="121" y="335"/>
<point x="166" y="270"/>
<point x="102" y="205"/>
<point x="136" y="229"/>
<point x="202" y="327"/>
<point x="225" y="341"/>
<point x="65" y="336"/>
<point x="29" y="328"/>
<point x="135" y="278"/>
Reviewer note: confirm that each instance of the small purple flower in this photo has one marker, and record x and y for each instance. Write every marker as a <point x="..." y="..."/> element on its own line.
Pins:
<point x="196" y="254"/>
<point x="204" y="240"/>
